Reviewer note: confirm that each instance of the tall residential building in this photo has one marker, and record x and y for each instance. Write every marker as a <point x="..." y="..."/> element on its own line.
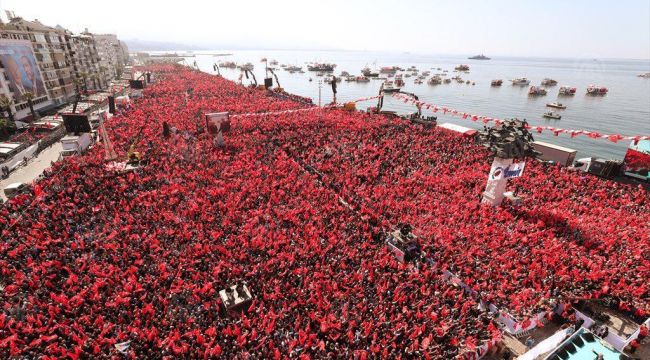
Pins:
<point x="50" y="52"/>
<point x="42" y="62"/>
<point x="113" y="53"/>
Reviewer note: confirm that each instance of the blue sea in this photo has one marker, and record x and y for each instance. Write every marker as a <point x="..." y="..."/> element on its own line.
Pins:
<point x="624" y="110"/>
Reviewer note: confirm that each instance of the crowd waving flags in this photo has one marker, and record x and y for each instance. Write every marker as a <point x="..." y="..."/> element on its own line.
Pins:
<point x="539" y="129"/>
<point x="100" y="262"/>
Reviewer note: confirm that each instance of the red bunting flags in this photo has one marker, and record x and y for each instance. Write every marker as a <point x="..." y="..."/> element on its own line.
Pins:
<point x="556" y="131"/>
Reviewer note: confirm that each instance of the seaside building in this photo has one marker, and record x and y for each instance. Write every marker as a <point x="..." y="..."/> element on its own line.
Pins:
<point x="113" y="53"/>
<point x="41" y="63"/>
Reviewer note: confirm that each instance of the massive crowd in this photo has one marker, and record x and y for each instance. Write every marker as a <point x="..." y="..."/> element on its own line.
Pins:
<point x="294" y="207"/>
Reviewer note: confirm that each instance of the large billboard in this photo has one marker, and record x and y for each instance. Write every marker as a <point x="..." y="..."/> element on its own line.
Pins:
<point x="18" y="60"/>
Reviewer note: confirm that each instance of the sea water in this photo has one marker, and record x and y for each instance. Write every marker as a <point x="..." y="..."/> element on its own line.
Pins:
<point x="624" y="110"/>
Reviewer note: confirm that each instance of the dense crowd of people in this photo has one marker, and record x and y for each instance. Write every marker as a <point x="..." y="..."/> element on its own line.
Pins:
<point x="294" y="206"/>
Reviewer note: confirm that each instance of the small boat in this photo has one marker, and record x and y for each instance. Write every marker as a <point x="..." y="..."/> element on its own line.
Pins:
<point x="479" y="57"/>
<point x="369" y="73"/>
<point x="596" y="90"/>
<point x="390" y="89"/>
<point x="350" y="78"/>
<point x="549" y="82"/>
<point x="567" y="91"/>
<point x="227" y="64"/>
<point x="645" y="75"/>
<point x="447" y="81"/>
<point x="556" y="105"/>
<point x="310" y="80"/>
<point x="362" y="79"/>
<point x="497" y="82"/>
<point x="247" y="66"/>
<point x="344" y="74"/>
<point x="462" y="67"/>
<point x="321" y="67"/>
<point x="467" y="82"/>
<point x="536" y="91"/>
<point x="263" y="60"/>
<point x="418" y="81"/>
<point x="426" y="73"/>
<point x="388" y="70"/>
<point x="520" y="81"/>
<point x="552" y="115"/>
<point x="273" y="62"/>
<point x="399" y="82"/>
<point x="436" y="80"/>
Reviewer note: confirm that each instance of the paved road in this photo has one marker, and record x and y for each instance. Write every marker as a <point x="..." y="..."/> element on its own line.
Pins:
<point x="31" y="170"/>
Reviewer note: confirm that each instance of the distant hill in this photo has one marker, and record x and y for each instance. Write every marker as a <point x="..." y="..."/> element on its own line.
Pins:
<point x="145" y="45"/>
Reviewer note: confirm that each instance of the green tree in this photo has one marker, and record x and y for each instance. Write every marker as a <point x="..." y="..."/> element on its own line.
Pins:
<point x="29" y="96"/>
<point x="5" y="105"/>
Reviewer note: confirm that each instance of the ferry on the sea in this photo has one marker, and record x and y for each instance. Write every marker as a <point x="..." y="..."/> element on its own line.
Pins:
<point x="479" y="57"/>
<point x="520" y="81"/>
<point x="321" y="67"/>
<point x="596" y="90"/>
<point x="567" y="91"/>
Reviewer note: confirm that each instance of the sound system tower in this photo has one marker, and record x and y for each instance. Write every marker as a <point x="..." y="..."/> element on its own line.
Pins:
<point x="111" y="104"/>
<point x="76" y="123"/>
<point x="605" y="168"/>
<point x="136" y="84"/>
<point x="268" y="83"/>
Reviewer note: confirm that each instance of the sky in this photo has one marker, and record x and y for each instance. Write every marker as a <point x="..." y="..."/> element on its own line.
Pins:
<point x="531" y="28"/>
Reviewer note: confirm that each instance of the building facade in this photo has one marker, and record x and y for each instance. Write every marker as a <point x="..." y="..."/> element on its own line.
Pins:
<point x="50" y="65"/>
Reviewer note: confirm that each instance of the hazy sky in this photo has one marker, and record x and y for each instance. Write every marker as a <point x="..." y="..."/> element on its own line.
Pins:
<point x="553" y="28"/>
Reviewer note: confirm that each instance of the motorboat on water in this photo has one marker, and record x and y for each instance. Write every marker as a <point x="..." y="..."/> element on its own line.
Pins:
<point x="567" y="91"/>
<point x="556" y="105"/>
<point x="418" y="81"/>
<point x="479" y="57"/>
<point x="350" y="78"/>
<point x="462" y="67"/>
<point x="536" y="91"/>
<point x="436" y="80"/>
<point x="596" y="90"/>
<point x="247" y="66"/>
<point x="369" y="73"/>
<point x="426" y="73"/>
<point x="497" y="82"/>
<point x="362" y="79"/>
<point x="549" y="82"/>
<point x="447" y="81"/>
<point x="388" y="70"/>
<point x="520" y="81"/>
<point x="552" y="115"/>
<point x="321" y="67"/>
<point x="645" y="75"/>
<point x="399" y="82"/>
<point x="228" y="64"/>
<point x="389" y="88"/>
